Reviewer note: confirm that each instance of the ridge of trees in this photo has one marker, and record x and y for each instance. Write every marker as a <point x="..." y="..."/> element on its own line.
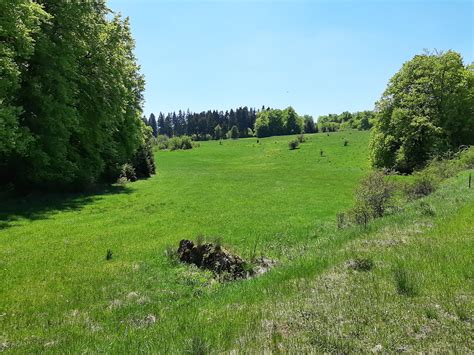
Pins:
<point x="235" y="123"/>
<point x="361" y="120"/>
<point x="71" y="95"/>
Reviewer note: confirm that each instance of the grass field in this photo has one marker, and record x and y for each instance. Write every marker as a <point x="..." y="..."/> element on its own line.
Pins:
<point x="59" y="293"/>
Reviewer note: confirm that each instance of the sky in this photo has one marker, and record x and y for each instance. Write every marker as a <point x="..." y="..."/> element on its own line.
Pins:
<point x="318" y="56"/>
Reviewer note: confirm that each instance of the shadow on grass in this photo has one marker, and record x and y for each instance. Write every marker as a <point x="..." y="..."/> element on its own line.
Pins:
<point x="37" y="206"/>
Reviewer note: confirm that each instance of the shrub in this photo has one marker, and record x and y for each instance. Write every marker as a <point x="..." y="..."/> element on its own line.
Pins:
<point x="178" y="143"/>
<point x="301" y="138"/>
<point x="373" y="196"/>
<point x="162" y="141"/>
<point x="466" y="158"/>
<point x="346" y="142"/>
<point x="423" y="184"/>
<point x="186" y="142"/>
<point x="128" y="173"/>
<point x="293" y="144"/>
<point x="109" y="254"/>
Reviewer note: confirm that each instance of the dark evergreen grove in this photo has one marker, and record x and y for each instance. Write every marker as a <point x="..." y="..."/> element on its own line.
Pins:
<point x="206" y="125"/>
<point x="239" y="123"/>
<point x="71" y="95"/>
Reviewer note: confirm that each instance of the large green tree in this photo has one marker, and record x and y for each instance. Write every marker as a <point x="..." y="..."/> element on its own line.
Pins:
<point x="293" y="124"/>
<point x="426" y="110"/>
<point x="78" y="103"/>
<point x="20" y="22"/>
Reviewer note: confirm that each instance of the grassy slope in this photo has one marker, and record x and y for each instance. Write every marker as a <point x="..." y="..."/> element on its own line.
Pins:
<point x="429" y="309"/>
<point x="57" y="288"/>
<point x="60" y="293"/>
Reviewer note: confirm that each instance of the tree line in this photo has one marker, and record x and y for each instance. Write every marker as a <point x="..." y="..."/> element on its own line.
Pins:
<point x="248" y="122"/>
<point x="71" y="95"/>
<point x="362" y="120"/>
<point x="239" y="123"/>
<point x="204" y="125"/>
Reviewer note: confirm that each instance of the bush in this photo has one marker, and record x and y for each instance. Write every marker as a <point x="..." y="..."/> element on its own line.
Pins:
<point x="186" y="143"/>
<point x="373" y="196"/>
<point x="180" y="143"/>
<point x="346" y="142"/>
<point x="162" y="142"/>
<point x="293" y="144"/>
<point x="176" y="143"/>
<point x="466" y="158"/>
<point x="422" y="185"/>
<point x="128" y="173"/>
<point x="301" y="138"/>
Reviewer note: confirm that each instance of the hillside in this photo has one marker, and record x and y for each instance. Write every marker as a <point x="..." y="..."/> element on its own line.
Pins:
<point x="260" y="198"/>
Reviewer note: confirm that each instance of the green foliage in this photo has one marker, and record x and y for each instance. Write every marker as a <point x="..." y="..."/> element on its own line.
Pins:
<point x="218" y="132"/>
<point x="301" y="138"/>
<point x="423" y="184"/>
<point x="233" y="133"/>
<point x="405" y="281"/>
<point x="162" y="142"/>
<point x="309" y="126"/>
<point x="293" y="144"/>
<point x="362" y="121"/>
<point x="277" y="122"/>
<point x="427" y="109"/>
<point x="180" y="143"/>
<point x="144" y="161"/>
<point x="74" y="118"/>
<point x="109" y="255"/>
<point x="373" y="196"/>
<point x="293" y="124"/>
<point x="128" y="173"/>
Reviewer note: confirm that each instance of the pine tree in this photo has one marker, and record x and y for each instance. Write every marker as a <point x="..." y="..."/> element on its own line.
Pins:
<point x="152" y="123"/>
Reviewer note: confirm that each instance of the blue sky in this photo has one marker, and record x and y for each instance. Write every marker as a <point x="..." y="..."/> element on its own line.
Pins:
<point x="318" y="56"/>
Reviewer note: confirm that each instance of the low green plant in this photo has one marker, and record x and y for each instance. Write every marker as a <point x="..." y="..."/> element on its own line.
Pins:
<point x="293" y="144"/>
<point x="374" y="195"/>
<point x="180" y="143"/>
<point x="109" y="255"/>
<point x="161" y="142"/>
<point x="405" y="281"/>
<point x="423" y="184"/>
<point x="127" y="173"/>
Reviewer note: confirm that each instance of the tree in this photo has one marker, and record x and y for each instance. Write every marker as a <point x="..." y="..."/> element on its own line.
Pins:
<point x="234" y="132"/>
<point x="426" y="110"/>
<point x="77" y="108"/>
<point x="309" y="126"/>
<point x="21" y="22"/>
<point x="262" y="124"/>
<point x="293" y="124"/>
<point x="152" y="123"/>
<point x="217" y="132"/>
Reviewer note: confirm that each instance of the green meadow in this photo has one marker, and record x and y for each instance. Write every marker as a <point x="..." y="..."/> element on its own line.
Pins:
<point x="257" y="197"/>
